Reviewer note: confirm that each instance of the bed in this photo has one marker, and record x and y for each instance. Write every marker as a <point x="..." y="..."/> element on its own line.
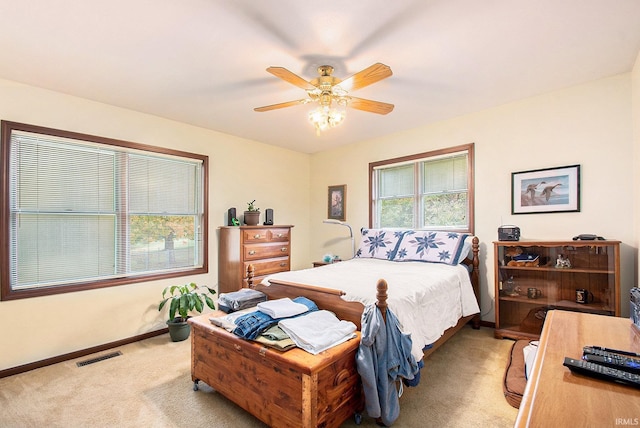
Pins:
<point x="295" y="388"/>
<point x="447" y="298"/>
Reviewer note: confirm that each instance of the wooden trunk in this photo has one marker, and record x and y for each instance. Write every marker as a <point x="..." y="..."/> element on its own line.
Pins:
<point x="282" y="389"/>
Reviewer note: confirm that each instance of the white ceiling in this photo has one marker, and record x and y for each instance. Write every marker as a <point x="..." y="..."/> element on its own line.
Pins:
<point x="203" y="62"/>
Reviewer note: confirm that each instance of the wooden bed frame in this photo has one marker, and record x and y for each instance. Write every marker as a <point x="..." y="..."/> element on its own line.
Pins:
<point x="295" y="388"/>
<point x="327" y="298"/>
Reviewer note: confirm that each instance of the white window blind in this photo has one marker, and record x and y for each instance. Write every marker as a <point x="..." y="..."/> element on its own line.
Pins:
<point x="445" y="175"/>
<point x="426" y="191"/>
<point x="397" y="181"/>
<point x="396" y="192"/>
<point x="81" y="211"/>
<point x="444" y="201"/>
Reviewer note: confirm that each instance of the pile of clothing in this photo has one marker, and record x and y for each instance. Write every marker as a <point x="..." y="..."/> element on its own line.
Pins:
<point x="286" y="323"/>
<point x="241" y="299"/>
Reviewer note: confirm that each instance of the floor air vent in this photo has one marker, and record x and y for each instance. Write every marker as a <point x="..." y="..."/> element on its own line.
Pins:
<point x="96" y="359"/>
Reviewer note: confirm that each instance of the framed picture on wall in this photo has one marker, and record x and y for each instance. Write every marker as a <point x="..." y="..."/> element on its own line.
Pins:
<point x="549" y="190"/>
<point x="337" y="205"/>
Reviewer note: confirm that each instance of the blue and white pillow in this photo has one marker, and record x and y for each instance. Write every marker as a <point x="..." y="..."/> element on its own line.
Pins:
<point x="432" y="246"/>
<point x="379" y="243"/>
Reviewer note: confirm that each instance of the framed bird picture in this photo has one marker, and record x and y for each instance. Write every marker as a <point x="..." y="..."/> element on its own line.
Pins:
<point x="549" y="190"/>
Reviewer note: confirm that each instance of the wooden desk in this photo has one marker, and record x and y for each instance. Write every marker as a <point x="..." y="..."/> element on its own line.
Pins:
<point x="554" y="396"/>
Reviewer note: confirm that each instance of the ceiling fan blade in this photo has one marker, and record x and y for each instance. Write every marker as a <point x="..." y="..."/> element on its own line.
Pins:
<point x="370" y="105"/>
<point x="282" y="105"/>
<point x="290" y="77"/>
<point x="366" y="77"/>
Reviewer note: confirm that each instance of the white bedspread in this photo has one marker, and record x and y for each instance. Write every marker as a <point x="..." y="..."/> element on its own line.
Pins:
<point x="427" y="298"/>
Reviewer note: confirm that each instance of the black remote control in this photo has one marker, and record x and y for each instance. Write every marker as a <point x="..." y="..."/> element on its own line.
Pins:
<point x="602" y="372"/>
<point x="610" y="359"/>
<point x="615" y="351"/>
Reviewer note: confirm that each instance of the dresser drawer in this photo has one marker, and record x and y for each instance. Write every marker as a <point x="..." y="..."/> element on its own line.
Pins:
<point x="279" y="235"/>
<point x="265" y="251"/>
<point x="255" y="235"/>
<point x="265" y="235"/>
<point x="268" y="267"/>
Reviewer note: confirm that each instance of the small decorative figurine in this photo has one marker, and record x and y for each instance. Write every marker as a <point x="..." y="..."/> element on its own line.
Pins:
<point x="562" y="262"/>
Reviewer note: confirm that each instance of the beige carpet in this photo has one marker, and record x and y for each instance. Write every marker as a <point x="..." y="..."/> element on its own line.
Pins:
<point x="149" y="385"/>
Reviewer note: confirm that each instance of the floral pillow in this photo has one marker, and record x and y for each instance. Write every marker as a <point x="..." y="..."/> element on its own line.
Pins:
<point x="432" y="246"/>
<point x="379" y="243"/>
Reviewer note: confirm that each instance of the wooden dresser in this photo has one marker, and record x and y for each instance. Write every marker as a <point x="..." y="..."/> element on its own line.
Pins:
<point x="282" y="389"/>
<point x="268" y="248"/>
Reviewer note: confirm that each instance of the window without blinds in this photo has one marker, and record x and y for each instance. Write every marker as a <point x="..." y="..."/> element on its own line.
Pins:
<point x="425" y="191"/>
<point x="82" y="212"/>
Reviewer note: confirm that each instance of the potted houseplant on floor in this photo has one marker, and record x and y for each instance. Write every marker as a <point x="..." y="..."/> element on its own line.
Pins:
<point x="184" y="299"/>
<point x="252" y="214"/>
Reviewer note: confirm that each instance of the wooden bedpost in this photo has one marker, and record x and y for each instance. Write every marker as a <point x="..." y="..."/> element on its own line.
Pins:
<point x="381" y="297"/>
<point x="475" y="248"/>
<point x="250" y="274"/>
<point x="475" y="277"/>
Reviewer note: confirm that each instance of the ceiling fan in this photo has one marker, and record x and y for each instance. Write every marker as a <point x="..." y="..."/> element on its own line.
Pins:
<point x="327" y="90"/>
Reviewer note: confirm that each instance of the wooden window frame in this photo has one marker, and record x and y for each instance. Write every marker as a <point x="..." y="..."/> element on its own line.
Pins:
<point x="469" y="148"/>
<point x="6" y="291"/>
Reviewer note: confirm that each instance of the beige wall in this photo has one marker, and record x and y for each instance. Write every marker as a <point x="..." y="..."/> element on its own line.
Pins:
<point x="44" y="327"/>
<point x="588" y="124"/>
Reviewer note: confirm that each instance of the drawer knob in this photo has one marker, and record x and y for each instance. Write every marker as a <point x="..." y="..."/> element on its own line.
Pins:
<point x="283" y="264"/>
<point x="280" y="235"/>
<point x="256" y="236"/>
<point x="283" y="249"/>
<point x="252" y="252"/>
<point x="238" y="348"/>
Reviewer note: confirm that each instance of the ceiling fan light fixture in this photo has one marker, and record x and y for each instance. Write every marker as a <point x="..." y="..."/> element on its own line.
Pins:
<point x="324" y="118"/>
<point x="332" y="94"/>
<point x="325" y="98"/>
<point x="337" y="91"/>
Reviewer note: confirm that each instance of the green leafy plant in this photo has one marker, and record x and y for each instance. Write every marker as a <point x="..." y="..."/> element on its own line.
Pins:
<point x="250" y="206"/>
<point x="186" y="298"/>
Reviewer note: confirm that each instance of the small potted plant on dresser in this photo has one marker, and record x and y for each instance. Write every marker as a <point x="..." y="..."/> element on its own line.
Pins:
<point x="184" y="299"/>
<point x="252" y="214"/>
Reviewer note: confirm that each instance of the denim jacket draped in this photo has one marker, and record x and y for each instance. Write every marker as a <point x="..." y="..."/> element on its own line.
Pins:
<point x="383" y="358"/>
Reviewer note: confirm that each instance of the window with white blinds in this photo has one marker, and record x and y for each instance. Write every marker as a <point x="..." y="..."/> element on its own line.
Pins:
<point x="431" y="190"/>
<point x="396" y="194"/>
<point x="85" y="212"/>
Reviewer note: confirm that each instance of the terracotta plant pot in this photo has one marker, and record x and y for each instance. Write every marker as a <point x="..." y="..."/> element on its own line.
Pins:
<point x="251" y="218"/>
